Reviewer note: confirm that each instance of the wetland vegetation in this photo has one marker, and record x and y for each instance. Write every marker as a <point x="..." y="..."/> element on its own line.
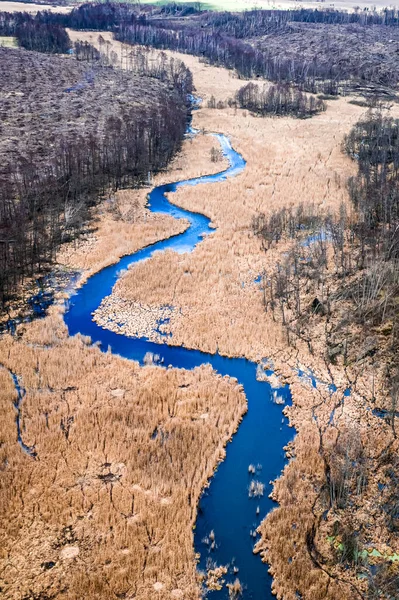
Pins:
<point x="282" y="276"/>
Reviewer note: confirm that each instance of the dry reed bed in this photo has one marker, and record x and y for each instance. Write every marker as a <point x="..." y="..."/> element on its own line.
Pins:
<point x="217" y="303"/>
<point x="217" y="311"/>
<point x="314" y="570"/>
<point x="219" y="307"/>
<point x="300" y="539"/>
<point x="123" y="453"/>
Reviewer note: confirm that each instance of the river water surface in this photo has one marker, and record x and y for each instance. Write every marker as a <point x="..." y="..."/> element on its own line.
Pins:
<point x="225" y="507"/>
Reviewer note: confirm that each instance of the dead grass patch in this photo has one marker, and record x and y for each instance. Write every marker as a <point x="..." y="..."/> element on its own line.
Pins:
<point x="122" y="455"/>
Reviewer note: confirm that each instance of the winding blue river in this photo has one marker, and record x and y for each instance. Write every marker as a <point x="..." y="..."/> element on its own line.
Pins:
<point x="225" y="508"/>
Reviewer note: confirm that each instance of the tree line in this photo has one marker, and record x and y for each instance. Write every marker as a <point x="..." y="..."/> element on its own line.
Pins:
<point x="102" y="17"/>
<point x="35" y="32"/>
<point x="278" y="100"/>
<point x="255" y="23"/>
<point x="246" y="24"/>
<point x="221" y="39"/>
<point x="232" y="53"/>
<point x="42" y="37"/>
<point x="47" y="191"/>
<point x="374" y="144"/>
<point x="86" y="52"/>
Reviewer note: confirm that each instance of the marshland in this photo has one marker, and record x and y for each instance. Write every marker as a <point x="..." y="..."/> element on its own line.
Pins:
<point x="202" y="209"/>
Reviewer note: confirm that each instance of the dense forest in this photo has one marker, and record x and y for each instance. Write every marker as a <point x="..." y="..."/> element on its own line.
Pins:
<point x="35" y="33"/>
<point x="42" y="37"/>
<point x="325" y="51"/>
<point x="71" y="131"/>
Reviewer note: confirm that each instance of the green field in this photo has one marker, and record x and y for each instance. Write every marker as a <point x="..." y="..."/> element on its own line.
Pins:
<point x="240" y="5"/>
<point x="8" y="41"/>
<point x="233" y="5"/>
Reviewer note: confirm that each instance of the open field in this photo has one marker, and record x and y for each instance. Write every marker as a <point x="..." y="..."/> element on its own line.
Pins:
<point x="8" y="41"/>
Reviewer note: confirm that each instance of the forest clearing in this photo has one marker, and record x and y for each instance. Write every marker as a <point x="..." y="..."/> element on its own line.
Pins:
<point x="254" y="250"/>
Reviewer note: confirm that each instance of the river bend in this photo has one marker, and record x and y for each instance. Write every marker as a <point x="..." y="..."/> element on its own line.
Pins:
<point x="225" y="507"/>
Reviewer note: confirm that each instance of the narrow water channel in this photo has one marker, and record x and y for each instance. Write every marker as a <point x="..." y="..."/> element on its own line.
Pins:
<point x="226" y="507"/>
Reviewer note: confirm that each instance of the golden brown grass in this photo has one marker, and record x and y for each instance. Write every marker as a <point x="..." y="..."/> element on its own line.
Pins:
<point x="302" y="496"/>
<point x="120" y="479"/>
<point x="218" y="307"/>
<point x="288" y="161"/>
<point x="123" y="453"/>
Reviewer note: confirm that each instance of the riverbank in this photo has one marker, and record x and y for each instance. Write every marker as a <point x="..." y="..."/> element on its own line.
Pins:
<point x="104" y="494"/>
<point x="221" y="305"/>
<point x="120" y="225"/>
<point x="122" y="499"/>
<point x="123" y="223"/>
<point x="216" y="305"/>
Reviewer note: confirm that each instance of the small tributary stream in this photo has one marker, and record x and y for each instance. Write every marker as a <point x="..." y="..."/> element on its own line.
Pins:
<point x="225" y="507"/>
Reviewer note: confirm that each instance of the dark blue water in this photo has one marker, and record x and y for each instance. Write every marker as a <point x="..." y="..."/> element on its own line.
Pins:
<point x="225" y="508"/>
